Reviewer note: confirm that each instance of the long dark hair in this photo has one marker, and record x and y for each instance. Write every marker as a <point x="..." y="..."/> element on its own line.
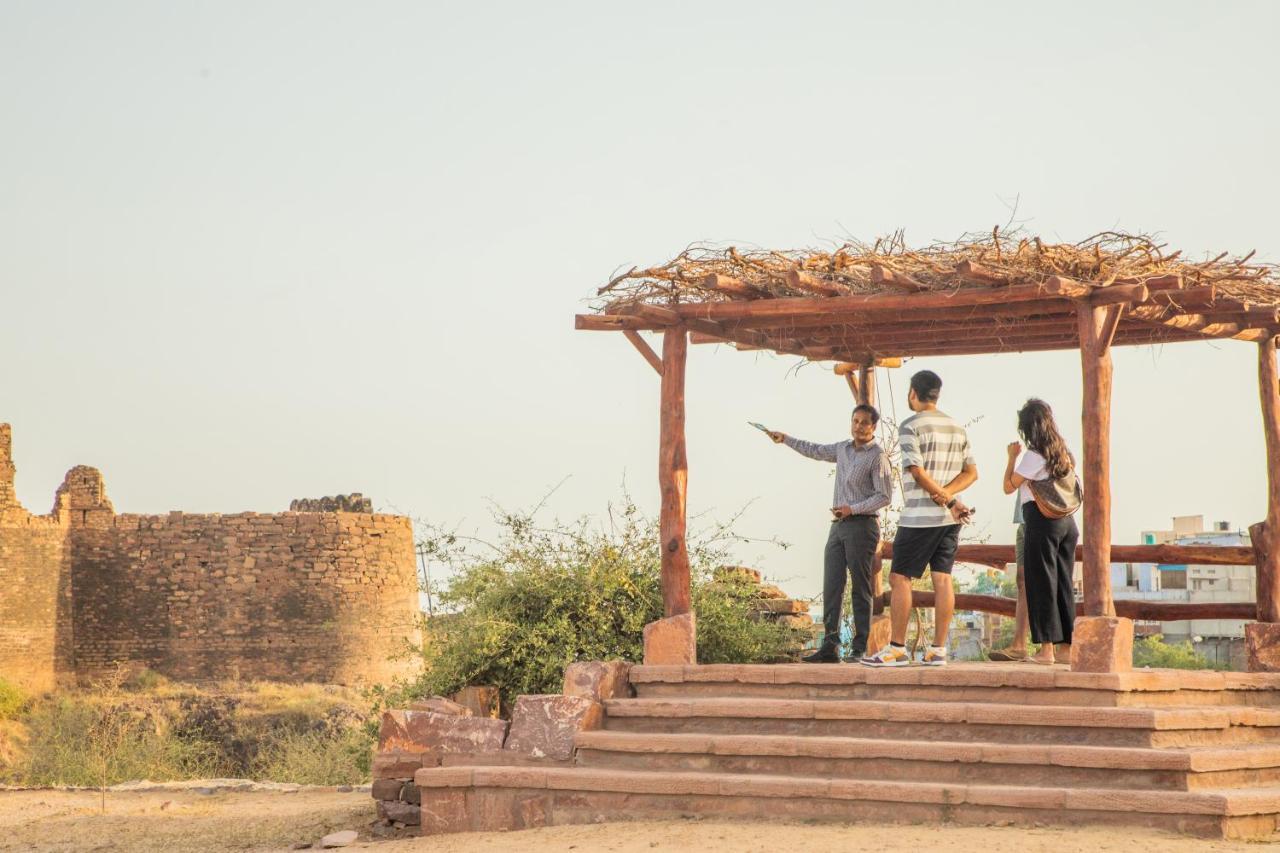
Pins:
<point x="1035" y="424"/>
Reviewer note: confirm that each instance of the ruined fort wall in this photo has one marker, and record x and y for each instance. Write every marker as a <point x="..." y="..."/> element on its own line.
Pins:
<point x="35" y="637"/>
<point x="294" y="596"/>
<point x="314" y="596"/>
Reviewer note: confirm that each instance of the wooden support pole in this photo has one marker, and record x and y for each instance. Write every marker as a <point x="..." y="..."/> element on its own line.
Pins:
<point x="867" y="384"/>
<point x="673" y="475"/>
<point x="644" y="349"/>
<point x="1095" y="360"/>
<point x="1265" y="539"/>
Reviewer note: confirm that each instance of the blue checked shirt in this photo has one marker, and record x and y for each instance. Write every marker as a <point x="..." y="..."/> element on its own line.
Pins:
<point x="864" y="477"/>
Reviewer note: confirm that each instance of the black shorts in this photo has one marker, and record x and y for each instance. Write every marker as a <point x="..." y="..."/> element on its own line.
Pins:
<point x="917" y="547"/>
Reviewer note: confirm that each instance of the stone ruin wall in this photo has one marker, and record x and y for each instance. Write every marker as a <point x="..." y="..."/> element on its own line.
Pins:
<point x="295" y="596"/>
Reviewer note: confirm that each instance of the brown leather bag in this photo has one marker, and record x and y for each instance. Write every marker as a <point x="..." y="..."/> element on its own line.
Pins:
<point x="1057" y="498"/>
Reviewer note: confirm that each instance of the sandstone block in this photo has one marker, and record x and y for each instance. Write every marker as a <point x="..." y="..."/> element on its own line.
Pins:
<point x="738" y="573"/>
<point x="544" y="726"/>
<point x="386" y="789"/>
<point x="481" y="701"/>
<point x="781" y="605"/>
<point x="444" y="810"/>
<point x="672" y="641"/>
<point x="1102" y="644"/>
<point x="1262" y="646"/>
<point x="427" y="731"/>
<point x="440" y="705"/>
<point x="598" y="680"/>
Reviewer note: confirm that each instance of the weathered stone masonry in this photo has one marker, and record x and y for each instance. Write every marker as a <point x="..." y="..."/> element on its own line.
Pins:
<point x="314" y="596"/>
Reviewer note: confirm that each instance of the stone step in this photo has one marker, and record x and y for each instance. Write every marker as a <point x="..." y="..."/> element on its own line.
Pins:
<point x="897" y="760"/>
<point x="461" y="799"/>
<point x="1013" y="683"/>
<point x="965" y="722"/>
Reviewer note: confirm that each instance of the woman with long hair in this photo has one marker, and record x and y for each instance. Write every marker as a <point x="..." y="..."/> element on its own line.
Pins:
<point x="1050" y="555"/>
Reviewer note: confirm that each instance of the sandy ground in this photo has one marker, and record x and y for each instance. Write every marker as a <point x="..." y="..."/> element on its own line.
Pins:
<point x="45" y="821"/>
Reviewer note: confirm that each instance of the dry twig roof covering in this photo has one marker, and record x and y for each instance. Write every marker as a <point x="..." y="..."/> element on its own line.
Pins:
<point x="995" y="292"/>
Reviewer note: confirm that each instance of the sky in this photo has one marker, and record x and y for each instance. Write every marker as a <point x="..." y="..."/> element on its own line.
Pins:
<point x="251" y="252"/>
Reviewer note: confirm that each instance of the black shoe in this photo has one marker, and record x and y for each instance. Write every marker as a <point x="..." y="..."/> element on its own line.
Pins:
<point x="823" y="655"/>
<point x="854" y="655"/>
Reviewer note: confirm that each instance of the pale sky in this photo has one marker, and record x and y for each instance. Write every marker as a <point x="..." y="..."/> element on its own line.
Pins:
<point x="253" y="251"/>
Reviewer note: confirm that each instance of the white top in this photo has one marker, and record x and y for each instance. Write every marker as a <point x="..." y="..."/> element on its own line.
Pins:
<point x="1031" y="466"/>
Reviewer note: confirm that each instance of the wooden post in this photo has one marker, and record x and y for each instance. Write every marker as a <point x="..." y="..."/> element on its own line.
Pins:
<point x="867" y="384"/>
<point x="673" y="474"/>
<point x="1264" y="539"/>
<point x="1095" y="360"/>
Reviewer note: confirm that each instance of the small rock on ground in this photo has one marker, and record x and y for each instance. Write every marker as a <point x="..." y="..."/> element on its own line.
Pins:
<point x="338" y="839"/>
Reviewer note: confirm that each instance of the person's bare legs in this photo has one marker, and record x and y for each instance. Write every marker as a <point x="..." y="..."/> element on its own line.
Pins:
<point x="944" y="607"/>
<point x="899" y="607"/>
<point x="1045" y="654"/>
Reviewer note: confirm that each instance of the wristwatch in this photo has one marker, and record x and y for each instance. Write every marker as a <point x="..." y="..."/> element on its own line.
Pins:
<point x="951" y="503"/>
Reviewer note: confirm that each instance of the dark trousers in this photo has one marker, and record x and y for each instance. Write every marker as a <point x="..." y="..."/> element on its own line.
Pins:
<point x="1048" y="564"/>
<point x="851" y="551"/>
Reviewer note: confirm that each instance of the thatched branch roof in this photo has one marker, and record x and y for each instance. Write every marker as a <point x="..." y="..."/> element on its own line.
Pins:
<point x="993" y="292"/>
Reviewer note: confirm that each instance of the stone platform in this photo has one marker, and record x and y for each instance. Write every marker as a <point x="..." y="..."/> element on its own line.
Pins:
<point x="1190" y="752"/>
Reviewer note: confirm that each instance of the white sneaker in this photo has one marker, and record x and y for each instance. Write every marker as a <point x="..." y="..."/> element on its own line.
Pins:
<point x="935" y="656"/>
<point x="890" y="655"/>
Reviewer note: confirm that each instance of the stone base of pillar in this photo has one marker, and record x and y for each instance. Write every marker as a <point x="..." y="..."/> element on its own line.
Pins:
<point x="1262" y="646"/>
<point x="1102" y="644"/>
<point x="672" y="641"/>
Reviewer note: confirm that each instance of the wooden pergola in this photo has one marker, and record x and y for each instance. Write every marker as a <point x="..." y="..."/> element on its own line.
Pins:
<point x="998" y="294"/>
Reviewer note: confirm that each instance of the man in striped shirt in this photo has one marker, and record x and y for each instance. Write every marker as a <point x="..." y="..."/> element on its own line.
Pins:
<point x="937" y="464"/>
<point x="864" y="486"/>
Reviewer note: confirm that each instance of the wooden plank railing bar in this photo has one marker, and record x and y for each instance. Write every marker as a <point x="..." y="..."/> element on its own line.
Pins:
<point x="644" y="349"/>
<point x="1165" y="555"/>
<point x="1133" y="608"/>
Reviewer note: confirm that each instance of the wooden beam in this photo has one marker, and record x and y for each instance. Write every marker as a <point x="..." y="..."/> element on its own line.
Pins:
<point x="801" y="280"/>
<point x="808" y="306"/>
<point x="607" y="323"/>
<point x="656" y="314"/>
<point x="875" y="316"/>
<point x="1119" y="293"/>
<point x="867" y="384"/>
<point x="1095" y="360"/>
<point x="1266" y="539"/>
<point x="896" y="280"/>
<point x="1112" y="322"/>
<point x="673" y="476"/>
<point x="644" y="349"/>
<point x="976" y="272"/>
<point x="1063" y="286"/>
<point x="729" y="286"/>
<point x="1192" y="298"/>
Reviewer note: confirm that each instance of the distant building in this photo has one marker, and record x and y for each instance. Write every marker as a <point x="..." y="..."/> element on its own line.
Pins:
<point x="1218" y="639"/>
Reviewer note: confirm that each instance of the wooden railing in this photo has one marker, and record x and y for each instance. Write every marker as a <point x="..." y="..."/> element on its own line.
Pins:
<point x="1147" y="611"/>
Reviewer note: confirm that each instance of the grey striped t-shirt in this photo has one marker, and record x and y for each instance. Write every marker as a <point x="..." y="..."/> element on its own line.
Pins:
<point x="931" y="440"/>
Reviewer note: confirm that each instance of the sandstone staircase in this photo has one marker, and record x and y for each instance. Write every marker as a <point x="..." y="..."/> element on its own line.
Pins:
<point x="1192" y="752"/>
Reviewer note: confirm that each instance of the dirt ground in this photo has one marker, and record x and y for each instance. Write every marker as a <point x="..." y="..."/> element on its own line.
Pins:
<point x="169" y="821"/>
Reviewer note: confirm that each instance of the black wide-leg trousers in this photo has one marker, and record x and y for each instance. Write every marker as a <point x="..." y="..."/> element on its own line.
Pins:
<point x="1049" y="563"/>
<point x="850" y="552"/>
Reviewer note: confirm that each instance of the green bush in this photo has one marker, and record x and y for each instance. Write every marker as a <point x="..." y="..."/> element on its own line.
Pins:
<point x="316" y="758"/>
<point x="1154" y="652"/>
<point x="541" y="598"/>
<point x="13" y="699"/>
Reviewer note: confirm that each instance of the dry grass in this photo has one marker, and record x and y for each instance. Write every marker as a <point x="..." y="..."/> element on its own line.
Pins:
<point x="1103" y="259"/>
